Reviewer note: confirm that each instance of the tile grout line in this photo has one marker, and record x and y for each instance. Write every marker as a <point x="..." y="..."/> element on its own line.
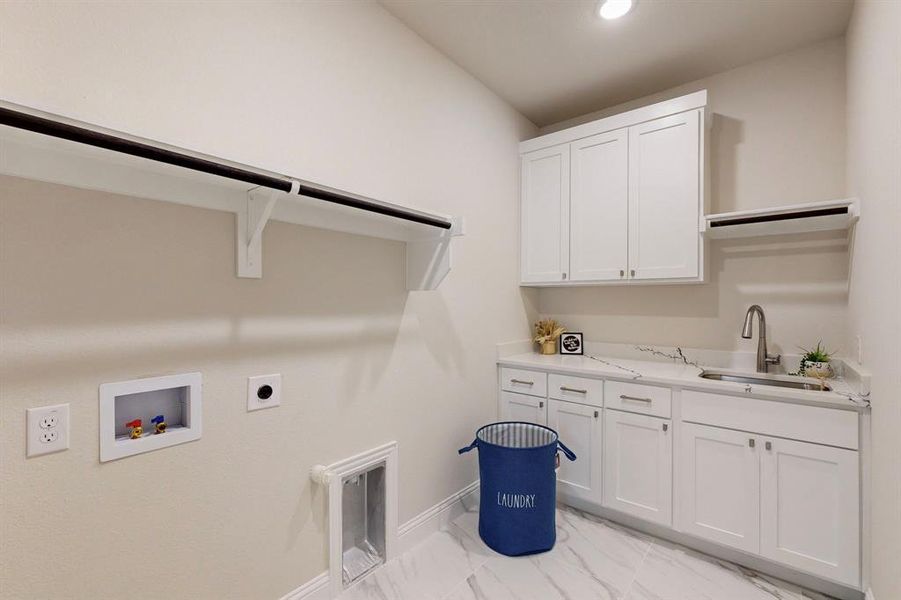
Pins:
<point x="628" y="591"/>
<point x="474" y="569"/>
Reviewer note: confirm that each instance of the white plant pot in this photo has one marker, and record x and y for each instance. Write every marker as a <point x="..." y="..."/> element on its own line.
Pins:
<point x="820" y="370"/>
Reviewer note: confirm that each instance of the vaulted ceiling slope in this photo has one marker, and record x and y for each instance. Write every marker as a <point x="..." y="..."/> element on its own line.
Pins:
<point x="555" y="59"/>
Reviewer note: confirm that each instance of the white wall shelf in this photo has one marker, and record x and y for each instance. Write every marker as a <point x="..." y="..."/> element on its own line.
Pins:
<point x="784" y="220"/>
<point x="45" y="147"/>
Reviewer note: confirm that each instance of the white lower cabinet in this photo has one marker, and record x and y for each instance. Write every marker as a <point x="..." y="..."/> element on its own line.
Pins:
<point x="793" y="502"/>
<point x="810" y="508"/>
<point x="580" y="428"/>
<point x="719" y="486"/>
<point x="789" y="493"/>
<point x="638" y="465"/>
<point x="520" y="407"/>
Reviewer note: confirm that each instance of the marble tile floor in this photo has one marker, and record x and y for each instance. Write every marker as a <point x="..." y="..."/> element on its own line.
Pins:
<point x="594" y="559"/>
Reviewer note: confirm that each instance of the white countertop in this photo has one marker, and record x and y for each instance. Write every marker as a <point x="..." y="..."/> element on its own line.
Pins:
<point x="681" y="374"/>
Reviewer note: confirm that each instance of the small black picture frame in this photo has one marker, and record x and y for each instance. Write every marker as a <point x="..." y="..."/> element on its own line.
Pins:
<point x="571" y="343"/>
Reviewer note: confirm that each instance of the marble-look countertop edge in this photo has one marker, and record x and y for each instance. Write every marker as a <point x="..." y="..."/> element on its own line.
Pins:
<point x="681" y="376"/>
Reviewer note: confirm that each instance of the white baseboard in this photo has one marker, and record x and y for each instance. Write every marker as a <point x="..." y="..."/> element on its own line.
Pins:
<point x="315" y="589"/>
<point x="409" y="535"/>
<point x="428" y="522"/>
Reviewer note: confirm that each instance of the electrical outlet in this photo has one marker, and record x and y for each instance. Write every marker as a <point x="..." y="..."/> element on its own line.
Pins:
<point x="47" y="429"/>
<point x="264" y="391"/>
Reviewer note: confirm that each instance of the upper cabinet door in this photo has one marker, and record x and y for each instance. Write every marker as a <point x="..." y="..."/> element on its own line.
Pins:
<point x="810" y="508"/>
<point x="599" y="207"/>
<point x="545" y="215"/>
<point x="665" y="197"/>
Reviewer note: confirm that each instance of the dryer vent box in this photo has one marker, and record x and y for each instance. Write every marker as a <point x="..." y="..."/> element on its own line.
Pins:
<point x="175" y="398"/>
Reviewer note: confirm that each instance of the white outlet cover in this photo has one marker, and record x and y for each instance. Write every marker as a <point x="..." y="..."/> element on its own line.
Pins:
<point x="47" y="429"/>
<point x="255" y="401"/>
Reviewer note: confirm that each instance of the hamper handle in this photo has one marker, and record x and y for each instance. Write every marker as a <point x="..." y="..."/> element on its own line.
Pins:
<point x="566" y="451"/>
<point x="474" y="443"/>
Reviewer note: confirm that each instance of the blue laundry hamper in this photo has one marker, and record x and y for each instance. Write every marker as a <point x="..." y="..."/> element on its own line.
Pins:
<point x="517" y="463"/>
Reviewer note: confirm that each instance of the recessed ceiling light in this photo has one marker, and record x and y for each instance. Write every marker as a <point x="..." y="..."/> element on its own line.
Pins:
<point x="614" y="9"/>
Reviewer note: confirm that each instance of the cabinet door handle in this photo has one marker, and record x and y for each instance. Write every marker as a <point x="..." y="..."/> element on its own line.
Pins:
<point x="635" y="398"/>
<point x="563" y="388"/>
<point x="564" y="276"/>
<point x="622" y="272"/>
<point x="541" y="405"/>
<point x="632" y="272"/>
<point x="522" y="381"/>
<point x="769" y="445"/>
<point x="752" y="442"/>
<point x="596" y="414"/>
<point x="665" y="426"/>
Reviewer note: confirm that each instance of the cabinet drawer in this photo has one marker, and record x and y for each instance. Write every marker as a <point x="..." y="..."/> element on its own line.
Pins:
<point x="781" y="419"/>
<point x="533" y="383"/>
<point x="638" y="398"/>
<point x="576" y="389"/>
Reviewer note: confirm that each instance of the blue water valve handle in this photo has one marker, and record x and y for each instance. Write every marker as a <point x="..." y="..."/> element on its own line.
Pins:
<point x="159" y="423"/>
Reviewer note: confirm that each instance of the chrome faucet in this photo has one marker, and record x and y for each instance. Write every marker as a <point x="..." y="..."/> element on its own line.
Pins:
<point x="747" y="331"/>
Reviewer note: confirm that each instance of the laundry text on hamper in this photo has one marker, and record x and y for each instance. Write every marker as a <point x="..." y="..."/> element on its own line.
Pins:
<point x="516" y="500"/>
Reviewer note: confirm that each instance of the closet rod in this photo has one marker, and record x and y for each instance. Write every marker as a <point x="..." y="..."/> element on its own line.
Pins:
<point x="82" y="135"/>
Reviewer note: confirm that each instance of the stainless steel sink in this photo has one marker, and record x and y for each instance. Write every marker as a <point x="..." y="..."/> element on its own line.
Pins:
<point x="785" y="381"/>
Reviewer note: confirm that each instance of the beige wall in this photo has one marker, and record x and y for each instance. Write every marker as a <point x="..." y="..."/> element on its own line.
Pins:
<point x="874" y="175"/>
<point x="96" y="288"/>
<point x="778" y="137"/>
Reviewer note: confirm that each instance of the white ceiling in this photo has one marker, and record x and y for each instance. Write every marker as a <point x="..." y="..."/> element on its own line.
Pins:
<point x="555" y="59"/>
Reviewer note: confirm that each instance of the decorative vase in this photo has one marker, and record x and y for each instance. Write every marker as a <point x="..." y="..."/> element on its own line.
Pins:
<point x="820" y="370"/>
<point x="549" y="347"/>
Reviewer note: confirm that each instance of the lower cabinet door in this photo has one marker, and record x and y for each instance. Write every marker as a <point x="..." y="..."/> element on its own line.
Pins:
<point x="719" y="485"/>
<point x="580" y="428"/>
<point x="638" y="465"/>
<point x="519" y="407"/>
<point x="810" y="508"/>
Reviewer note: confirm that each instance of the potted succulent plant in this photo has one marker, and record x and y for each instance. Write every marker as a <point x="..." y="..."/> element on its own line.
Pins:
<point x="815" y="362"/>
<point x="547" y="331"/>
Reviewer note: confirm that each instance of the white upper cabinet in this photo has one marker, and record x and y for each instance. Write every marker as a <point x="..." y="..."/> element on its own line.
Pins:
<point x="545" y="215"/>
<point x="664" y="198"/>
<point x="599" y="207"/>
<point x="618" y="200"/>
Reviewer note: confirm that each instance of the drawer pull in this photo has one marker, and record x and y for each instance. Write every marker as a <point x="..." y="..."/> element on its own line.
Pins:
<point x="665" y="426"/>
<point x="752" y="442"/>
<point x="635" y="398"/>
<point x="563" y="388"/>
<point x="769" y="445"/>
<point x="522" y="381"/>
<point x="541" y="405"/>
<point x="596" y="414"/>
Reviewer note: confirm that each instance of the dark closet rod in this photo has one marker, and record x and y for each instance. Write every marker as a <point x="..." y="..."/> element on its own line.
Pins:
<point x="82" y="135"/>
<point x="801" y="214"/>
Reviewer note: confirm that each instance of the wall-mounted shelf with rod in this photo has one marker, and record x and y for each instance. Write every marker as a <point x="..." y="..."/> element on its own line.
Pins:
<point x="46" y="147"/>
<point x="782" y="220"/>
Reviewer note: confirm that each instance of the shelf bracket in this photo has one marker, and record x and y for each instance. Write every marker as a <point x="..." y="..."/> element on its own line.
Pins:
<point x="251" y="222"/>
<point x="429" y="260"/>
